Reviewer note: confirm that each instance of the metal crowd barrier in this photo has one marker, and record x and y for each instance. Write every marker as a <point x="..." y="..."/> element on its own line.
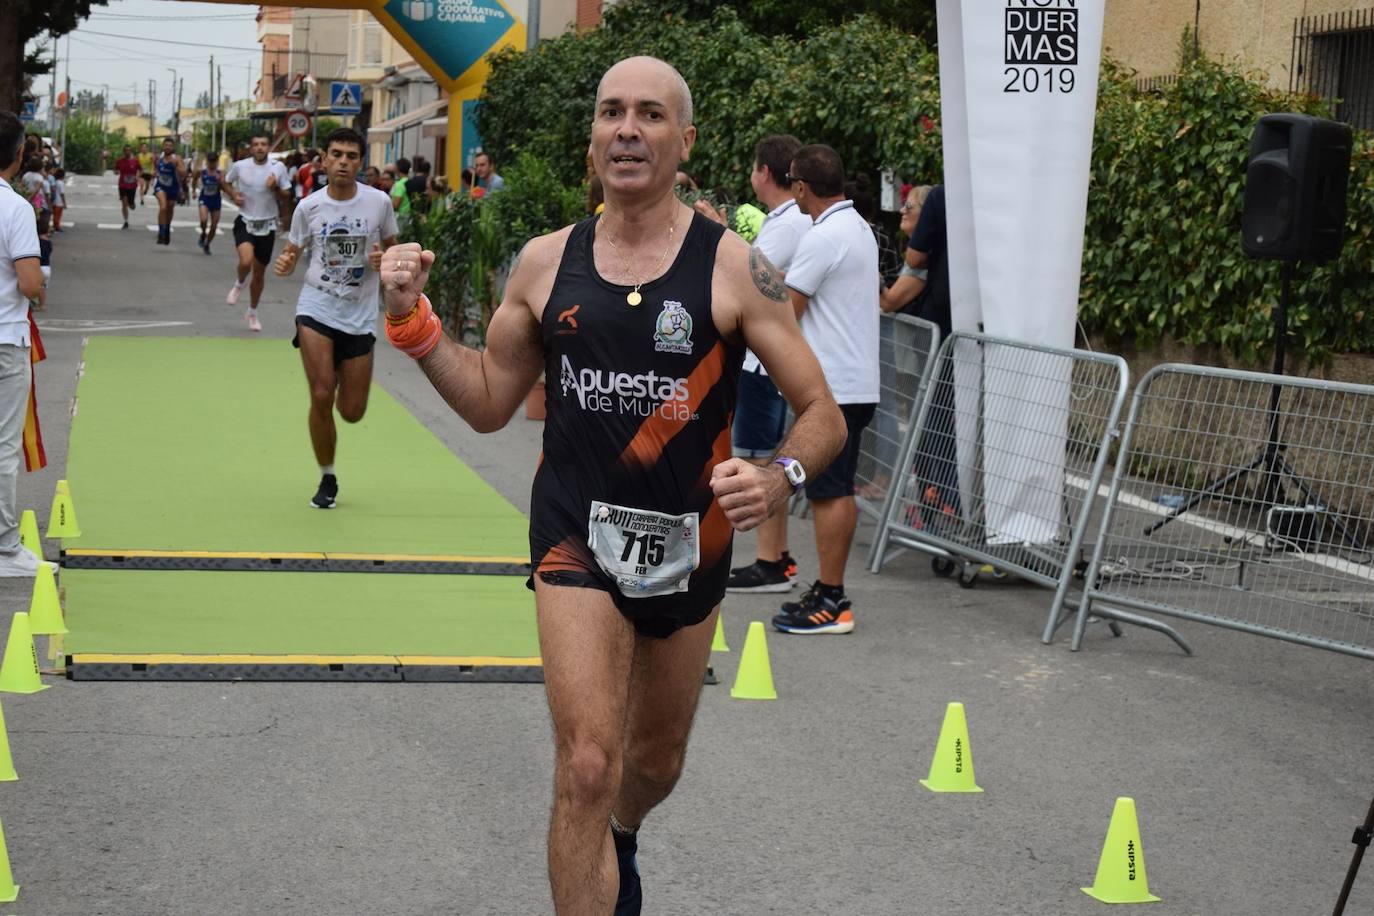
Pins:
<point x="1243" y="500"/>
<point x="1003" y="462"/>
<point x="906" y="354"/>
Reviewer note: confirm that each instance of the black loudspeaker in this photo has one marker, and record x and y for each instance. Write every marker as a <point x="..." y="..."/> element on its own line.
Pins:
<point x="1295" y="187"/>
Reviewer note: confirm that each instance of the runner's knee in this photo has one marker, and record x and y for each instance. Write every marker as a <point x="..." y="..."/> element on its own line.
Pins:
<point x="656" y="766"/>
<point x="589" y="773"/>
<point x="322" y="396"/>
<point x="352" y="411"/>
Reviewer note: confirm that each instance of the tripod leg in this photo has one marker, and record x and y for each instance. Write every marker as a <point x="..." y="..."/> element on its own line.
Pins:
<point x="1212" y="489"/>
<point x="1361" y="841"/>
<point x="1315" y="499"/>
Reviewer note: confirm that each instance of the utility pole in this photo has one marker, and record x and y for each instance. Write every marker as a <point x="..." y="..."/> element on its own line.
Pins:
<point x="173" y="121"/>
<point x="223" y="124"/>
<point x="210" y="109"/>
<point x="52" y="85"/>
<point x="152" y="107"/>
<point x="66" y="109"/>
<point x="180" y="86"/>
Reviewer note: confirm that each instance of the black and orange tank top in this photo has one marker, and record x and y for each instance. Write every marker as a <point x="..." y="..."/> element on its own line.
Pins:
<point x="639" y="398"/>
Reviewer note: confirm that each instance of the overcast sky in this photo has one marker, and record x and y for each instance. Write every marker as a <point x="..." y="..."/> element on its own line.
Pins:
<point x="113" y="48"/>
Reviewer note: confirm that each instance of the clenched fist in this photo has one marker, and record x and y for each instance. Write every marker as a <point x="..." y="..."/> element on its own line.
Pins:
<point x="747" y="493"/>
<point x="404" y="270"/>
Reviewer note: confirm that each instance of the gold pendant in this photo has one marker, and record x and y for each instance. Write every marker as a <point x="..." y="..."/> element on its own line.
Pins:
<point x="634" y="298"/>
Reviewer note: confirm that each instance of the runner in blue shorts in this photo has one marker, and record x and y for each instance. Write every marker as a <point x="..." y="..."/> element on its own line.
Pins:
<point x="168" y="172"/>
<point x="208" y="181"/>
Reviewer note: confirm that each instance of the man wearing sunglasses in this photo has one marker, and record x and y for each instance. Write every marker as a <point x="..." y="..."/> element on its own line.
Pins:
<point x="834" y="283"/>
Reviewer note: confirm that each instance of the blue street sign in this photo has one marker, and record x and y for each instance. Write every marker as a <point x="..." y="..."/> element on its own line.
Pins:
<point x="28" y="111"/>
<point x="346" y="98"/>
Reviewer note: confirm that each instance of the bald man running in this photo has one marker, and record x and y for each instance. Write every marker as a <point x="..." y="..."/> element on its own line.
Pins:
<point x="639" y="319"/>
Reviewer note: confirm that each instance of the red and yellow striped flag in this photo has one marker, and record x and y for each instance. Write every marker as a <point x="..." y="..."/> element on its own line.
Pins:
<point x="35" y="459"/>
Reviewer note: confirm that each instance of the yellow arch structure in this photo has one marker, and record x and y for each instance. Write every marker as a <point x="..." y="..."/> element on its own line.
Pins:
<point x="450" y="39"/>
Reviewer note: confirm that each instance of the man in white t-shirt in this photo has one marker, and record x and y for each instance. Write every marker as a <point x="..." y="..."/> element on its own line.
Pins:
<point x="760" y="410"/>
<point x="257" y="186"/>
<point x="346" y="226"/>
<point x="21" y="279"/>
<point x="834" y="283"/>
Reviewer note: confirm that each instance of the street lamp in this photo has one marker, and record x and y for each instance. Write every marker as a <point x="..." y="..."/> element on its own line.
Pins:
<point x="176" y="115"/>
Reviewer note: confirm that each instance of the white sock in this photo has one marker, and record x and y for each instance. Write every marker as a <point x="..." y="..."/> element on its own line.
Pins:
<point x="326" y="469"/>
<point x="252" y="309"/>
<point x="238" y="284"/>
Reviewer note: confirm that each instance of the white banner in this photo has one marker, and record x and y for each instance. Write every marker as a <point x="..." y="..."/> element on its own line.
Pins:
<point x="1028" y="96"/>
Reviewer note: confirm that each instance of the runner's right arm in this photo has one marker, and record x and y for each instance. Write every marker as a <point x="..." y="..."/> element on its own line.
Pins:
<point x="295" y="244"/>
<point x="483" y="387"/>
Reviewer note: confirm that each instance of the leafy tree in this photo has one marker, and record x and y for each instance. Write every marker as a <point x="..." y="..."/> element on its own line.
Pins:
<point x="86" y="100"/>
<point x="203" y="100"/>
<point x="26" y="19"/>
<point x="800" y="18"/>
<point x="86" y="139"/>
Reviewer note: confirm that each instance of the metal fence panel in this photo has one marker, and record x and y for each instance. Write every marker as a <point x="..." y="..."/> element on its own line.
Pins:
<point x="1197" y="526"/>
<point x="1005" y="460"/>
<point x="906" y="354"/>
<point x="1333" y="57"/>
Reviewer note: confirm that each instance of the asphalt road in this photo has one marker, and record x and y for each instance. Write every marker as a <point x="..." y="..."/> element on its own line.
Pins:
<point x="1250" y="762"/>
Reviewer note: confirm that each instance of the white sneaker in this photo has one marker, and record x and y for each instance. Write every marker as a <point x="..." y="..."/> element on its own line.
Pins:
<point x="252" y="318"/>
<point x="21" y="564"/>
<point x="233" y="297"/>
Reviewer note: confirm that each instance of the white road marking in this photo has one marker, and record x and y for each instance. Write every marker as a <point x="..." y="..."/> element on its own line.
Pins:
<point x="99" y="325"/>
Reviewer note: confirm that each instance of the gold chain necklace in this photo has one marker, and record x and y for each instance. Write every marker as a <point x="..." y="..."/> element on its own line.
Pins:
<point x="633" y="297"/>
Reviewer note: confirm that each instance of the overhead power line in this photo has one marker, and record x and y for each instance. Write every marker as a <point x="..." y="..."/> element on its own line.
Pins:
<point x="164" y="41"/>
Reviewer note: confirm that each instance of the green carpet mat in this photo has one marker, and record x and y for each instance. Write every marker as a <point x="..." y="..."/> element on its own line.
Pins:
<point x="134" y="612"/>
<point x="201" y="444"/>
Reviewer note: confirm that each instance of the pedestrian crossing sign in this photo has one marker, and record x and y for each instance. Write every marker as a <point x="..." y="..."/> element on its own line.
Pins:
<point x="346" y="98"/>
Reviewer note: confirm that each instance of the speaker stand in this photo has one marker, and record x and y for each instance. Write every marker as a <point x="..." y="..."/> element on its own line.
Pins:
<point x="1270" y="460"/>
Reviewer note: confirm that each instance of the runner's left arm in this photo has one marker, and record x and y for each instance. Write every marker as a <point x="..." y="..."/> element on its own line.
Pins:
<point x="754" y="302"/>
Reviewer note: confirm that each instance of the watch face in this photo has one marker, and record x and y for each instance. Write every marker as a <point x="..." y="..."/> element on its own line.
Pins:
<point x="795" y="473"/>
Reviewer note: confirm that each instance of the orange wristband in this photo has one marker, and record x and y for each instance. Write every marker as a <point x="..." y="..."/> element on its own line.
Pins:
<point x="419" y="333"/>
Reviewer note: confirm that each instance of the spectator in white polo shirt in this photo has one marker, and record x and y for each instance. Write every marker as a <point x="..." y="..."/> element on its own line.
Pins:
<point x="760" y="410"/>
<point x="833" y="280"/>
<point x="20" y="280"/>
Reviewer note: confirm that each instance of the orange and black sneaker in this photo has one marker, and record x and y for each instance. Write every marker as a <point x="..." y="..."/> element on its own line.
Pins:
<point x="816" y="612"/>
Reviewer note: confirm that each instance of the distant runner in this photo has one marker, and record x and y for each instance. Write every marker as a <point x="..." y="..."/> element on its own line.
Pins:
<point x="145" y="171"/>
<point x="127" y="168"/>
<point x="208" y="182"/>
<point x="256" y="186"/>
<point x="170" y="173"/>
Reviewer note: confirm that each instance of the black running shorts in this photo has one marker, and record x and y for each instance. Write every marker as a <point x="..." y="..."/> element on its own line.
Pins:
<point x="262" y="244"/>
<point x="346" y="345"/>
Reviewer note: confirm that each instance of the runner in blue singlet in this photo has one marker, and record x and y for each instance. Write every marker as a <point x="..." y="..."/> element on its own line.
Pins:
<point x="168" y="173"/>
<point x="208" y="180"/>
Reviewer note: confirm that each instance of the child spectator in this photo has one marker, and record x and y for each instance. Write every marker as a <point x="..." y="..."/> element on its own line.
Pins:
<point x="59" y="198"/>
<point x="44" y="257"/>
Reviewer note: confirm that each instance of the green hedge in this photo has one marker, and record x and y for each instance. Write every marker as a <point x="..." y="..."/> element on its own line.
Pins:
<point x="865" y="87"/>
<point x="1162" y="254"/>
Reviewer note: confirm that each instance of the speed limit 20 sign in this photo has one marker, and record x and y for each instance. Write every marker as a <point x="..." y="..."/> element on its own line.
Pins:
<point x="297" y="123"/>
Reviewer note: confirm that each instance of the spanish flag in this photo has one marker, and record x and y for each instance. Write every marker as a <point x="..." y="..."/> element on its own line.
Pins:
<point x="35" y="459"/>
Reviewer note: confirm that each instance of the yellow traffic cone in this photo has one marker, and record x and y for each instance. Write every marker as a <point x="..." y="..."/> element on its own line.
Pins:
<point x="951" y="769"/>
<point x="19" y="669"/>
<point x="754" y="680"/>
<point x="45" y="611"/>
<point x="62" y="519"/>
<point x="9" y="891"/>
<point x="718" y="641"/>
<point x="1121" y="868"/>
<point x="28" y="533"/>
<point x="7" y="773"/>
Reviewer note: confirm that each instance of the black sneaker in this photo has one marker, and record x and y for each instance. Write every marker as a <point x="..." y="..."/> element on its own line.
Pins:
<point x="327" y="493"/>
<point x="631" y="898"/>
<point x="759" y="577"/>
<point x="815" y="613"/>
<point x="126" y="225"/>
